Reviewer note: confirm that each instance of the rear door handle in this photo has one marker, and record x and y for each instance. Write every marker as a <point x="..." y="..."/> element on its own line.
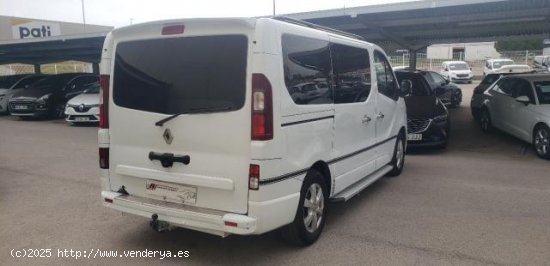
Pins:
<point x="380" y="116"/>
<point x="168" y="159"/>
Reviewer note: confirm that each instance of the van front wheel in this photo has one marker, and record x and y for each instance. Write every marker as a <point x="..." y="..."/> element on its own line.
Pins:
<point x="310" y="217"/>
<point x="398" y="160"/>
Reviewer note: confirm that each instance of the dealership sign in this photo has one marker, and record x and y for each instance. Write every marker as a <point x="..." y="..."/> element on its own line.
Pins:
<point x="35" y="29"/>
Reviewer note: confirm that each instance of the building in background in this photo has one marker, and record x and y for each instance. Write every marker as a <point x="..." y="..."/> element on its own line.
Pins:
<point x="14" y="28"/>
<point x="463" y="51"/>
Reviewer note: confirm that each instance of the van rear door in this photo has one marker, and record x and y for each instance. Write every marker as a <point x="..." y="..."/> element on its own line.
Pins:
<point x="200" y="78"/>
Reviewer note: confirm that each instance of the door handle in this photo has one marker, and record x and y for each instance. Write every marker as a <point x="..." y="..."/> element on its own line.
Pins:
<point x="168" y="159"/>
<point x="380" y="116"/>
<point x="366" y="119"/>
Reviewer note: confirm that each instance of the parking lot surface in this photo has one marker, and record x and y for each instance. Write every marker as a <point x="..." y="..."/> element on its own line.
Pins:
<point x="485" y="200"/>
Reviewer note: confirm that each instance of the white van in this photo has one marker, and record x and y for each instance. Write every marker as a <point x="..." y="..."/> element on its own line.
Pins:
<point x="198" y="128"/>
<point x="456" y="71"/>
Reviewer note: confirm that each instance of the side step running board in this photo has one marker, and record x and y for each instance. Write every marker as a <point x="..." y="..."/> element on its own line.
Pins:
<point x="360" y="185"/>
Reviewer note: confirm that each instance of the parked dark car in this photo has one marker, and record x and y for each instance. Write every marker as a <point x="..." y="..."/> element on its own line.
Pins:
<point x="428" y="120"/>
<point x="449" y="93"/>
<point x="48" y="96"/>
<point x="10" y="85"/>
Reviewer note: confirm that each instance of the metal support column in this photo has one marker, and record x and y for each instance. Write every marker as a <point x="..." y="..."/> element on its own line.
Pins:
<point x="37" y="69"/>
<point x="412" y="59"/>
<point x="95" y="67"/>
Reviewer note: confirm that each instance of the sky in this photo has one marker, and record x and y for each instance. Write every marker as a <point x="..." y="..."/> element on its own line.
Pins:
<point x="122" y="12"/>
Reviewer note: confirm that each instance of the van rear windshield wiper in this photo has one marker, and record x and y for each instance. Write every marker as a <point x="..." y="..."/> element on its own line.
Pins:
<point x="160" y="123"/>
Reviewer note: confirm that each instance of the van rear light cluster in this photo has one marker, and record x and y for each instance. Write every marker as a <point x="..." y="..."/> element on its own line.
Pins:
<point x="104" y="101"/>
<point x="262" y="108"/>
<point x="104" y="158"/>
<point x="254" y="177"/>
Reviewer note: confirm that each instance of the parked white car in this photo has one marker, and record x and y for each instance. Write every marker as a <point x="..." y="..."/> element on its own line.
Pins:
<point x="222" y="147"/>
<point x="499" y="66"/>
<point x="520" y="105"/>
<point x="84" y="108"/>
<point x="10" y="85"/>
<point x="456" y="71"/>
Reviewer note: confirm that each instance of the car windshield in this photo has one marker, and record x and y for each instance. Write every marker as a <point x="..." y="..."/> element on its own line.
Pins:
<point x="459" y="66"/>
<point x="499" y="64"/>
<point x="543" y="91"/>
<point x="92" y="89"/>
<point x="8" y="81"/>
<point x="52" y="82"/>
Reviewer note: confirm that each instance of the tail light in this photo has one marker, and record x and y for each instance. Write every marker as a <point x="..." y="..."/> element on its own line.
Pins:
<point x="104" y="101"/>
<point x="173" y="29"/>
<point x="254" y="177"/>
<point x="104" y="158"/>
<point x="262" y="108"/>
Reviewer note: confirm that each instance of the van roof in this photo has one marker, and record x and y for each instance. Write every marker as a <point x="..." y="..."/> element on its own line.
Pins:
<point x="247" y="22"/>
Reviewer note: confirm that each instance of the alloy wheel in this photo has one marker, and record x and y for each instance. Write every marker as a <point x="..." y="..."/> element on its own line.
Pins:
<point x="399" y="154"/>
<point x="542" y="144"/>
<point x="314" y="204"/>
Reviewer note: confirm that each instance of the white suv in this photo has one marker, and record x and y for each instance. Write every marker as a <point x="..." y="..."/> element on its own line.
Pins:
<point x="499" y="66"/>
<point x="198" y="128"/>
<point x="456" y="71"/>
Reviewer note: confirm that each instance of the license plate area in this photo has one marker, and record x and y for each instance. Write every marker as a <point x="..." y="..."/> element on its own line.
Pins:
<point x="82" y="118"/>
<point x="171" y="192"/>
<point x="414" y="137"/>
<point x="20" y="107"/>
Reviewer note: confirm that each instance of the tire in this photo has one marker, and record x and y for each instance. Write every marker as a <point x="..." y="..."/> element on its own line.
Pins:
<point x="541" y="141"/>
<point x="485" y="121"/>
<point x="301" y="232"/>
<point x="398" y="159"/>
<point x="455" y="101"/>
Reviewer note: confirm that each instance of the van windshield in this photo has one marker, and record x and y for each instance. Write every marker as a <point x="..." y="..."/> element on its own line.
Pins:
<point x="459" y="66"/>
<point x="180" y="75"/>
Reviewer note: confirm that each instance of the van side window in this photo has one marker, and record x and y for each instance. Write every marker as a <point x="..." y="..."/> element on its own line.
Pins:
<point x="351" y="73"/>
<point x="307" y="69"/>
<point x="384" y="76"/>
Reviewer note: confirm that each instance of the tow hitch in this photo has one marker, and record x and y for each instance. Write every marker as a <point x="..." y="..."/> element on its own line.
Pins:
<point x="159" y="226"/>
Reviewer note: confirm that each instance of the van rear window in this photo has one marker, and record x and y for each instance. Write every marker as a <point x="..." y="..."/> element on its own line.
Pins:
<point x="181" y="75"/>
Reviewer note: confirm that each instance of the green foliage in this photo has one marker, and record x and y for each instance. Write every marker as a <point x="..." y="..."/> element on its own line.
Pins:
<point x="519" y="45"/>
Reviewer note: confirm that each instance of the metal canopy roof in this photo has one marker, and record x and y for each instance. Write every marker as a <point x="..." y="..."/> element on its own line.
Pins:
<point x="83" y="47"/>
<point x="415" y="25"/>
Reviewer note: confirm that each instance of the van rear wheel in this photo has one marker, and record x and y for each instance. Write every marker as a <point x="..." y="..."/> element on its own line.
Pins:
<point x="310" y="217"/>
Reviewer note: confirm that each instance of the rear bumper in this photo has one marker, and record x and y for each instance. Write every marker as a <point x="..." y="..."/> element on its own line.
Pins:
<point x="200" y="219"/>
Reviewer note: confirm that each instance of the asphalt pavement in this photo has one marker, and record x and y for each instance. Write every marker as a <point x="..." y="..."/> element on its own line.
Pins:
<point x="485" y="200"/>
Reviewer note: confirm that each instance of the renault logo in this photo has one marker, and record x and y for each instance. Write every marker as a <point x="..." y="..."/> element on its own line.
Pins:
<point x="81" y="107"/>
<point x="167" y="135"/>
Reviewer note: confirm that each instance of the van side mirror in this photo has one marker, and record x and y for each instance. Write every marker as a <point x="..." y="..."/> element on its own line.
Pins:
<point x="406" y="87"/>
<point x="523" y="99"/>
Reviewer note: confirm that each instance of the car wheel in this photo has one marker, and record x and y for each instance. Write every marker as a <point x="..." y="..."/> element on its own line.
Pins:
<point x="485" y="121"/>
<point x="398" y="160"/>
<point x="310" y="217"/>
<point x="541" y="141"/>
<point x="456" y="99"/>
